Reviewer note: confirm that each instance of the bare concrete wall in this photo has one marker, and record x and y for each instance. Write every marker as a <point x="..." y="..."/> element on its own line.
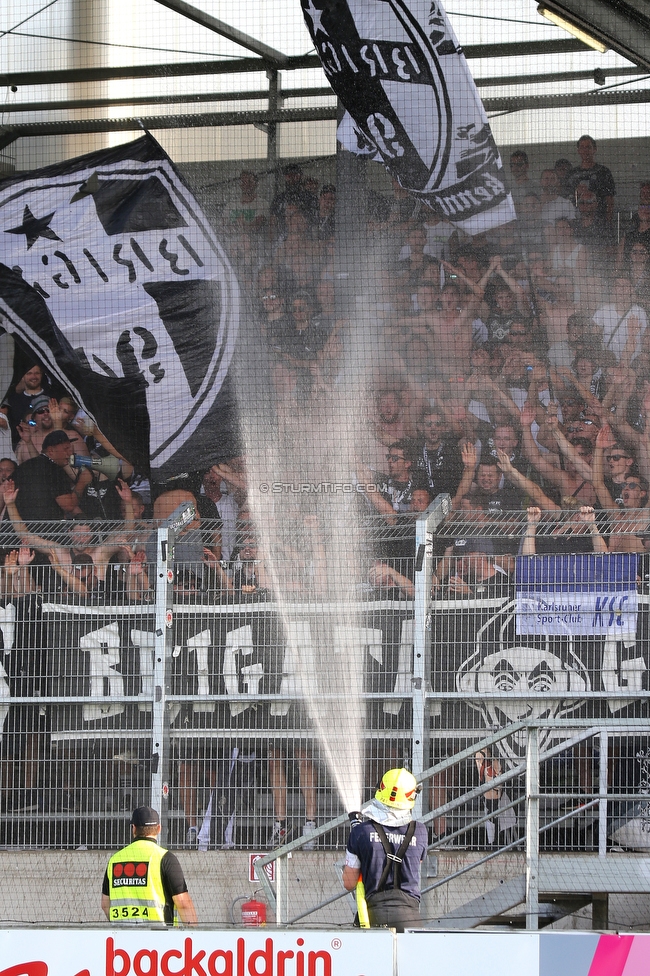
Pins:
<point x="64" y="888"/>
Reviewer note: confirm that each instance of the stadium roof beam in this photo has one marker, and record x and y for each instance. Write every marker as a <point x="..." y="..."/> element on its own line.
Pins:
<point x="204" y="119"/>
<point x="9" y="134"/>
<point x="547" y="78"/>
<point x="261" y="94"/>
<point x="622" y="25"/>
<point x="498" y="81"/>
<point x="578" y="100"/>
<point x="269" y="54"/>
<point x="75" y="76"/>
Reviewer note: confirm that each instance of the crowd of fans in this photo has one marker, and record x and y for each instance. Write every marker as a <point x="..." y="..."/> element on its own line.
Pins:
<point x="514" y="373"/>
<point x="514" y="370"/>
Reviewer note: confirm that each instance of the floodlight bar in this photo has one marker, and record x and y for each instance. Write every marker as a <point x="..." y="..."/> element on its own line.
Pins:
<point x="571" y="28"/>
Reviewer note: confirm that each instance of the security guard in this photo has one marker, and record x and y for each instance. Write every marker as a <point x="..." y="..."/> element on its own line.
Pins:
<point x="385" y="850"/>
<point x="144" y="882"/>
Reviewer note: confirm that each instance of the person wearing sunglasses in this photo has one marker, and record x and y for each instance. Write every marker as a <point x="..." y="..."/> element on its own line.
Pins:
<point x="570" y="477"/>
<point x="634" y="493"/>
<point x="34" y="429"/>
<point x="613" y="464"/>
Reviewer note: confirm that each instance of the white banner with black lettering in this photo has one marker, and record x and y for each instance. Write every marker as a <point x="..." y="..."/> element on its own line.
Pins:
<point x="412" y="104"/>
<point x="112" y="278"/>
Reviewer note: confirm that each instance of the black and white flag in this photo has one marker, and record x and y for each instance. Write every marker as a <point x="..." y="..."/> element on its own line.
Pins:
<point x="411" y="104"/>
<point x="112" y="277"/>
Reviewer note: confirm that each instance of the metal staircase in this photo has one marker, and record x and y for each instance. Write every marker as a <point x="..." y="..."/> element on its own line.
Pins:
<point x="553" y="883"/>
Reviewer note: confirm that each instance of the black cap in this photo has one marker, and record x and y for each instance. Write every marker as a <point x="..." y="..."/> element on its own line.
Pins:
<point x="145" y="817"/>
<point x="54" y="438"/>
<point x="40" y="402"/>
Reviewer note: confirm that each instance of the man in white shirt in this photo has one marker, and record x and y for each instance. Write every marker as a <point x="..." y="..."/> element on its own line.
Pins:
<point x="553" y="205"/>
<point x="213" y="503"/>
<point x="622" y="322"/>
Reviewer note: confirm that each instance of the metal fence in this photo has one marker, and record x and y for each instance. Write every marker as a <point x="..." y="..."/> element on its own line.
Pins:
<point x="139" y="668"/>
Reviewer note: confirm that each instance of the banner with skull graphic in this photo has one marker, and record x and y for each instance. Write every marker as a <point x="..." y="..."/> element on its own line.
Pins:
<point x="488" y="676"/>
<point x="112" y="278"/>
<point x="411" y="104"/>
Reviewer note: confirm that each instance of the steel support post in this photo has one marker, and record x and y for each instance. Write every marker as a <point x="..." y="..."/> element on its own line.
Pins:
<point x="161" y="675"/>
<point x="602" y="792"/>
<point x="532" y="829"/>
<point x="272" y="127"/>
<point x="421" y="644"/>
<point x="281" y="890"/>
<point x="425" y="528"/>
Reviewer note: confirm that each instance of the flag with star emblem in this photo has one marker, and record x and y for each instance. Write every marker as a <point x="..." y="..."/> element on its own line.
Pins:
<point x="112" y="277"/>
<point x="411" y="104"/>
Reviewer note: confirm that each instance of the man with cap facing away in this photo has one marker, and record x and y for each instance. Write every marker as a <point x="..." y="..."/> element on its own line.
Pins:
<point x="144" y="883"/>
<point x="46" y="491"/>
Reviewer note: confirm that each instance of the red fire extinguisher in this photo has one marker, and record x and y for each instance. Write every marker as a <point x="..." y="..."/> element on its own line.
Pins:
<point x="253" y="913"/>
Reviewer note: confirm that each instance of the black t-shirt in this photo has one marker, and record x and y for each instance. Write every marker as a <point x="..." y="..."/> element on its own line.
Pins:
<point x="599" y="180"/>
<point x="172" y="878"/>
<point x="18" y="406"/>
<point x="505" y="499"/>
<point x="442" y="468"/>
<point x="598" y="235"/>
<point x="276" y="330"/>
<point x="41" y="481"/>
<point x="397" y="494"/>
<point x="307" y="344"/>
<point x="100" y="500"/>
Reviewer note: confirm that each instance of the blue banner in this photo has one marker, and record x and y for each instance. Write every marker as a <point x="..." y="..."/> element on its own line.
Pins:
<point x="585" y="594"/>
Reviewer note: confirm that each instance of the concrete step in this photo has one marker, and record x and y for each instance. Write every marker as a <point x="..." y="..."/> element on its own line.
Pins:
<point x="499" y="900"/>
<point x="566" y="884"/>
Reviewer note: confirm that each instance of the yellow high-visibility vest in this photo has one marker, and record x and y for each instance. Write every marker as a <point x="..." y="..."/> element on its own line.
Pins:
<point x="135" y="885"/>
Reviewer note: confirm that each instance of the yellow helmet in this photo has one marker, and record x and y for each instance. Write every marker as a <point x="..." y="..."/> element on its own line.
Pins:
<point x="398" y="789"/>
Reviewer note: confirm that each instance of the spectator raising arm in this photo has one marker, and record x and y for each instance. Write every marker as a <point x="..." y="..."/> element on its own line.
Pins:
<point x="605" y="440"/>
<point x="9" y="492"/>
<point x="16" y="578"/>
<point x="588" y="517"/>
<point x="515" y="477"/>
<point x="543" y="464"/>
<point x="533" y="515"/>
<point x="470" y="459"/>
<point x="569" y="451"/>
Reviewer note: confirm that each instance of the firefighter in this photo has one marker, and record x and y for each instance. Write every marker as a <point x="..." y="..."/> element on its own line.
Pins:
<point x="144" y="882"/>
<point x="384" y="852"/>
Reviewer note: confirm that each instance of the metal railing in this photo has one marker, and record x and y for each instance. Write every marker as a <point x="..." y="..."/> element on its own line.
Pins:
<point x="184" y="693"/>
<point x="603" y="803"/>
